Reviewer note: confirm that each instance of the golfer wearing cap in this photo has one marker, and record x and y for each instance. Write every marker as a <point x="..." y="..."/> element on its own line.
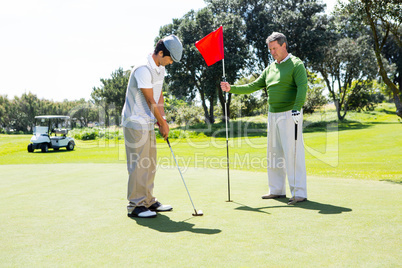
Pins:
<point x="143" y="108"/>
<point x="286" y="83"/>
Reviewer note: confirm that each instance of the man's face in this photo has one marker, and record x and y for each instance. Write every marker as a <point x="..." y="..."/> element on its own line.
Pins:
<point x="166" y="60"/>
<point x="277" y="51"/>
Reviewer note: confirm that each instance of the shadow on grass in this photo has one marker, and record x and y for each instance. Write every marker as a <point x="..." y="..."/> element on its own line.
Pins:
<point x="248" y="208"/>
<point x="311" y="205"/>
<point x="334" y="125"/>
<point x="320" y="207"/>
<point x="164" y="224"/>
<point x="391" y="181"/>
<point x="51" y="151"/>
<point x="236" y="128"/>
<point x="387" y="111"/>
<point x="331" y="126"/>
<point x="240" y="128"/>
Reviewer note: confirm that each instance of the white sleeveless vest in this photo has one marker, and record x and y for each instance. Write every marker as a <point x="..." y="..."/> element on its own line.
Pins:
<point x="136" y="113"/>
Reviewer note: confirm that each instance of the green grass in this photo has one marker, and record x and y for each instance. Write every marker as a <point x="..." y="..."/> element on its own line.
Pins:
<point x="73" y="215"/>
<point x="365" y="146"/>
<point x="67" y="209"/>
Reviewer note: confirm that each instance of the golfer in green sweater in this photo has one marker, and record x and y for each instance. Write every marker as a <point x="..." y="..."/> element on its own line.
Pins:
<point x="286" y="83"/>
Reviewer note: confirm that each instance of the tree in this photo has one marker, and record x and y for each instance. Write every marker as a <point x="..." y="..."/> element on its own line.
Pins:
<point x="301" y="21"/>
<point x="259" y="22"/>
<point x="5" y="107"/>
<point x="19" y="113"/>
<point x="347" y="56"/>
<point x="346" y="61"/>
<point x="23" y="112"/>
<point x="366" y="97"/>
<point x="315" y="98"/>
<point x="84" y="112"/>
<point x="385" y="19"/>
<point x="249" y="104"/>
<point x="304" y="24"/>
<point x="192" y="75"/>
<point x="111" y="94"/>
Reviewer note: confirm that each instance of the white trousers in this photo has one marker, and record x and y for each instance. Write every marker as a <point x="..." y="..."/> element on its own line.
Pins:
<point x="284" y="158"/>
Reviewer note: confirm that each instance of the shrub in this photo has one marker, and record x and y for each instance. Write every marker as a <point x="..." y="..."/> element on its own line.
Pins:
<point x="181" y="134"/>
<point x="314" y="99"/>
<point x="363" y="97"/>
<point x="96" y="133"/>
<point x="189" y="114"/>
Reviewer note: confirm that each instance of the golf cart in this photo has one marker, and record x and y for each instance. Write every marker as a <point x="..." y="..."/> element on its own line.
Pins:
<point x="45" y="126"/>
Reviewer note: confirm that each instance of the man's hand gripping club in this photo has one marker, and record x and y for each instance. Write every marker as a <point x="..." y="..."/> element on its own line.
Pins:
<point x="157" y="110"/>
<point x="296" y="115"/>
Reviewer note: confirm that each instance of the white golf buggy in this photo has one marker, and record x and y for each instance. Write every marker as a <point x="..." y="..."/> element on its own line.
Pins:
<point x="45" y="126"/>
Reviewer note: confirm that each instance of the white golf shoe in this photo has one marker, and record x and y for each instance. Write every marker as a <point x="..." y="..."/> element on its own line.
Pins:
<point x="159" y="207"/>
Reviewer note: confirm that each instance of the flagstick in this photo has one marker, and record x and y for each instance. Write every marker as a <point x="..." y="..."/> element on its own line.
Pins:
<point x="227" y="138"/>
<point x="223" y="66"/>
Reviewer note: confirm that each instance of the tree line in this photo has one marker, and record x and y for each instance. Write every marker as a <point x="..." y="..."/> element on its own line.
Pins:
<point x="356" y="50"/>
<point x="359" y="42"/>
<point x="354" y="53"/>
<point x="18" y="114"/>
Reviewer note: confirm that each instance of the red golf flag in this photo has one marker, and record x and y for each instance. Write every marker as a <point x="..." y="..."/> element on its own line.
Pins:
<point x="211" y="47"/>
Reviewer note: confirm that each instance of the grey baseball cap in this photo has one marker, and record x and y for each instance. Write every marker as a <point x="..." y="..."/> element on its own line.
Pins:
<point x="173" y="44"/>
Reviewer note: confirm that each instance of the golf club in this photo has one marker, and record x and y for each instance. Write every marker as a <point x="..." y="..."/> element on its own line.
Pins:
<point x="199" y="212"/>
<point x="294" y="172"/>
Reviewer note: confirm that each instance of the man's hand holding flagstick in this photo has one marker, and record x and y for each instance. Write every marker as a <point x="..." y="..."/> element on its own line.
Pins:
<point x="225" y="86"/>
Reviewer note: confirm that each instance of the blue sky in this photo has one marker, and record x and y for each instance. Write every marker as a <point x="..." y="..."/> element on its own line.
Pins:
<point x="60" y="49"/>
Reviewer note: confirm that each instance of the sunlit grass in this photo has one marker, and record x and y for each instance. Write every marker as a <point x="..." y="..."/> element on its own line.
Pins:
<point x="74" y="215"/>
<point x="365" y="146"/>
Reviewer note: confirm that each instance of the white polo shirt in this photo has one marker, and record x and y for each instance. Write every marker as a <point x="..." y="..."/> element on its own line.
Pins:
<point x="285" y="59"/>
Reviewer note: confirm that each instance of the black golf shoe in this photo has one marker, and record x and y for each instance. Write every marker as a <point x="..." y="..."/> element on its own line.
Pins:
<point x="142" y="212"/>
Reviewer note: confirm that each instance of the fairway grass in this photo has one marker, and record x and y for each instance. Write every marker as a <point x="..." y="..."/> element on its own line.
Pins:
<point x="74" y="215"/>
<point x="371" y="153"/>
<point x="367" y="146"/>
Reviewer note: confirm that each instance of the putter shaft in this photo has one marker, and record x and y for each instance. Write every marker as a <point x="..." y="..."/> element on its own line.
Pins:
<point x="181" y="175"/>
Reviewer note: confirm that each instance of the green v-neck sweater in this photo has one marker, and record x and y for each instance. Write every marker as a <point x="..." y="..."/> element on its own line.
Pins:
<point x="286" y="85"/>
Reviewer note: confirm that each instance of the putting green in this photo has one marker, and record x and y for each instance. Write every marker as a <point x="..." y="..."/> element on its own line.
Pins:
<point x="74" y="215"/>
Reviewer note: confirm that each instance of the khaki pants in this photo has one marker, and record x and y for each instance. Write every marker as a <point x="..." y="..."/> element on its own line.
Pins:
<point x="141" y="165"/>
<point x="282" y="159"/>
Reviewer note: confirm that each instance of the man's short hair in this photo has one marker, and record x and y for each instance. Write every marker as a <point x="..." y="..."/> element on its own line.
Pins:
<point x="279" y="37"/>
<point x="160" y="46"/>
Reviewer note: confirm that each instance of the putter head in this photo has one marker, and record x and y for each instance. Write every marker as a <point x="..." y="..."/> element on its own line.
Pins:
<point x="198" y="213"/>
<point x="292" y="202"/>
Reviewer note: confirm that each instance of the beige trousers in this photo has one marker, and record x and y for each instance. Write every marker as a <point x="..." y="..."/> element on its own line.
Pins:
<point x="284" y="159"/>
<point x="141" y="165"/>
